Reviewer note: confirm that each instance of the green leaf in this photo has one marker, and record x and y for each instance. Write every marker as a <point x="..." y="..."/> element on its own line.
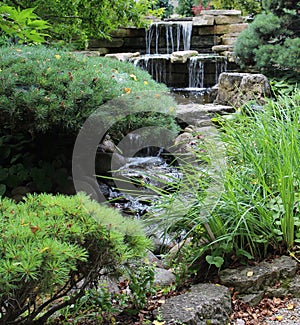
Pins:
<point x="216" y="260"/>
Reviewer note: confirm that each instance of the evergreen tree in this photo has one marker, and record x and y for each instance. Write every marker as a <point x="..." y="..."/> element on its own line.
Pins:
<point x="272" y="41"/>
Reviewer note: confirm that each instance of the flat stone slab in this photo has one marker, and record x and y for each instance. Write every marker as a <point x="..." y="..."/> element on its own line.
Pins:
<point x="204" y="20"/>
<point x="204" y="304"/>
<point x="222" y="12"/>
<point x="182" y="56"/>
<point x="123" y="56"/>
<point x="193" y="113"/>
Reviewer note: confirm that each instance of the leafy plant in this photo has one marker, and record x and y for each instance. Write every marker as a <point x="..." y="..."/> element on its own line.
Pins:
<point x="185" y="8"/>
<point x="54" y="247"/>
<point x="247" y="6"/>
<point x="80" y="20"/>
<point x="166" y="5"/>
<point x="23" y="25"/>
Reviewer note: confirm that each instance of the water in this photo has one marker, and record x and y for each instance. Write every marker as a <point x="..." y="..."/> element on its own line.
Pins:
<point x="131" y="187"/>
<point x="156" y="65"/>
<point x="169" y="37"/>
<point x="196" y="72"/>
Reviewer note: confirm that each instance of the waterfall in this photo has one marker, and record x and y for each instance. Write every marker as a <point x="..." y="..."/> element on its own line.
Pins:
<point x="196" y="73"/>
<point x="221" y="66"/>
<point x="179" y="33"/>
<point x="156" y="65"/>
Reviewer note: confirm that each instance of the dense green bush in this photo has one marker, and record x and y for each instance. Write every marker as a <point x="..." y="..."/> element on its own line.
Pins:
<point x="271" y="43"/>
<point x="166" y="5"/>
<point x="185" y="8"/>
<point x="43" y="89"/>
<point x="45" y="97"/>
<point x="247" y="6"/>
<point x="57" y="247"/>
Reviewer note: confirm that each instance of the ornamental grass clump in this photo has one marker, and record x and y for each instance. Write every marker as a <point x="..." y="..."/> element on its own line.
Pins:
<point x="54" y="248"/>
<point x="256" y="209"/>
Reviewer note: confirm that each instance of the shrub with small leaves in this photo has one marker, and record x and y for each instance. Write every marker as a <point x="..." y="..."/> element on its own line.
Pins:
<point x="53" y="247"/>
<point x="46" y="90"/>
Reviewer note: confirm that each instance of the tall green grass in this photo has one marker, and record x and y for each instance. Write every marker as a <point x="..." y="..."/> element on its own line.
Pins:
<point x="256" y="210"/>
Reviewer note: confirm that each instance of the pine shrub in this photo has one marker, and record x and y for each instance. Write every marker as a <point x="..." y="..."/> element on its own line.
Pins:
<point x="57" y="247"/>
<point x="271" y="43"/>
<point x="45" y="89"/>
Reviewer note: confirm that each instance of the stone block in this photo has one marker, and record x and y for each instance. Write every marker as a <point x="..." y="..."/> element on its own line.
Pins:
<point x="233" y="28"/>
<point x="128" y="32"/>
<point x="222" y="48"/>
<point x="97" y="43"/>
<point x="203" y="30"/>
<point x="228" y="40"/>
<point x="225" y="20"/>
<point x="200" y="41"/>
<point x="182" y="56"/>
<point x="123" y="56"/>
<point x="203" y="20"/>
<point x="135" y="43"/>
<point x="222" y="12"/>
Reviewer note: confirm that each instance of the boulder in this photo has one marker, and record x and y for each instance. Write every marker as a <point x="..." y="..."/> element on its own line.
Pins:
<point x="277" y="279"/>
<point x="236" y="89"/>
<point x="182" y="56"/>
<point x="204" y="304"/>
<point x="163" y="277"/>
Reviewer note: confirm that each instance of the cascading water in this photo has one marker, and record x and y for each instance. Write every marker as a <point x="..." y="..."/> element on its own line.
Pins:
<point x="196" y="73"/>
<point x="156" y="65"/>
<point x="169" y="37"/>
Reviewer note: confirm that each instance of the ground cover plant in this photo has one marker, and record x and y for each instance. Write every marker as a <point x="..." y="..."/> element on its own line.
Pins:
<point x="54" y="248"/>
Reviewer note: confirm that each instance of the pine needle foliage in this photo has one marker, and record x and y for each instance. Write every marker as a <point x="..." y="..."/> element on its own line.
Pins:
<point x="56" y="247"/>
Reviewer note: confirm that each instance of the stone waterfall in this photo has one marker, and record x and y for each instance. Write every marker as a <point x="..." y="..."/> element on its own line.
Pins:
<point x="169" y="37"/>
<point x="196" y="71"/>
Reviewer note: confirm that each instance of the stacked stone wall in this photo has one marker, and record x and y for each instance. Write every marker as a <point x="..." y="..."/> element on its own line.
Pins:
<point x="213" y="31"/>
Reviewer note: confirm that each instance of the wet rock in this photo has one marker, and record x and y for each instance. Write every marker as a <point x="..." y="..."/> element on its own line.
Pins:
<point x="20" y="190"/>
<point x="192" y="113"/>
<point x="182" y="56"/>
<point x="106" y="162"/>
<point x="236" y="89"/>
<point x="204" y="304"/>
<point x="294" y="286"/>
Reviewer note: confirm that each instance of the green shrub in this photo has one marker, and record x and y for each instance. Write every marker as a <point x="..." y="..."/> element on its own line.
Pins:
<point x="56" y="247"/>
<point x="247" y="6"/>
<point x="271" y="43"/>
<point x="44" y="89"/>
<point x="185" y="8"/>
<point x="45" y="97"/>
<point x="73" y="20"/>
